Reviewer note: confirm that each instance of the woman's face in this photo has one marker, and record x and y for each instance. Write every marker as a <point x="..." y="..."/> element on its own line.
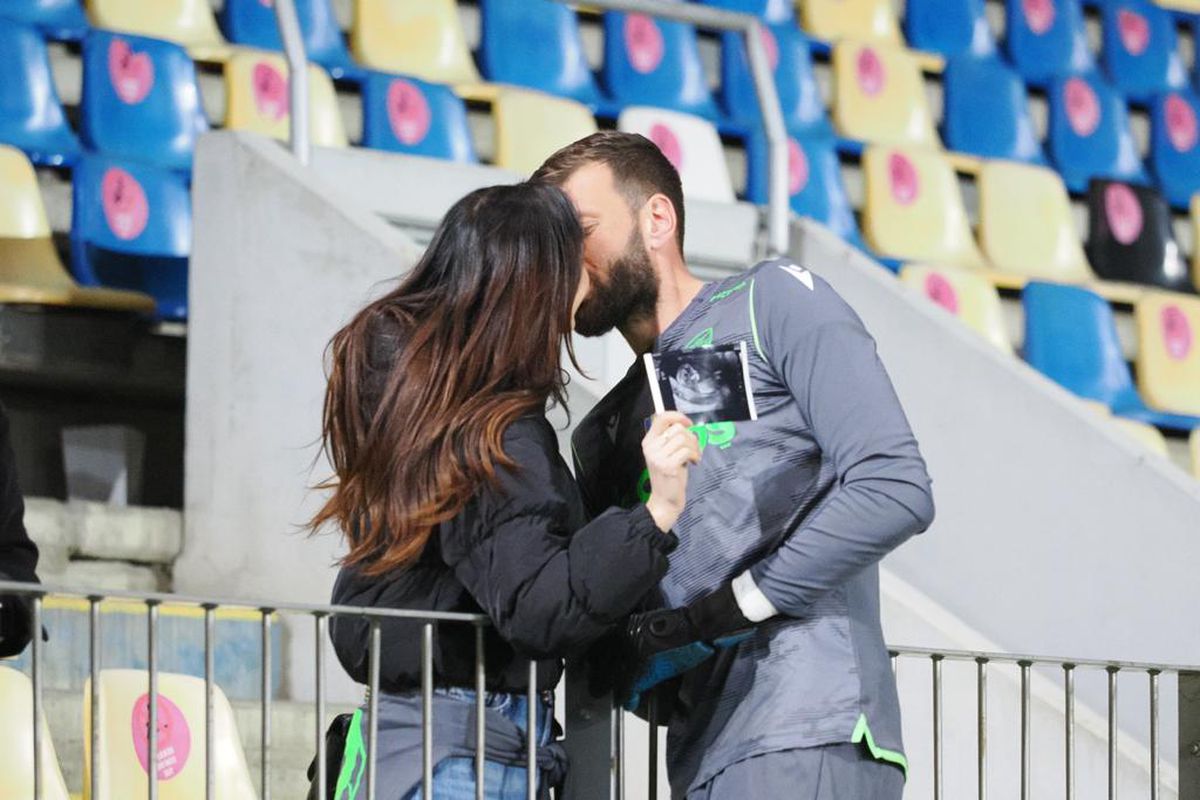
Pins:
<point x="585" y="286"/>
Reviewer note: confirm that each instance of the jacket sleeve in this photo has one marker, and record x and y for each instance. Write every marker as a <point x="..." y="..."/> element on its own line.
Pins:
<point x="881" y="495"/>
<point x="18" y="555"/>
<point x="549" y="589"/>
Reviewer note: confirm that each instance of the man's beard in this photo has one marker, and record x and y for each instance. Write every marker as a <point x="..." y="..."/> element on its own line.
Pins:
<point x="629" y="291"/>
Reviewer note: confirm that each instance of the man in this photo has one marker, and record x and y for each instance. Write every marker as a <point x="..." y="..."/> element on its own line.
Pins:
<point x="787" y="515"/>
<point x="18" y="555"/>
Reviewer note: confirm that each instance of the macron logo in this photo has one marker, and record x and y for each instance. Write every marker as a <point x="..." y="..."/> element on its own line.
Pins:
<point x="800" y="274"/>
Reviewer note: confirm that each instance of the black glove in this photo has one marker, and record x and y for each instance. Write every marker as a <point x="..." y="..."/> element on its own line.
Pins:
<point x="15" y="627"/>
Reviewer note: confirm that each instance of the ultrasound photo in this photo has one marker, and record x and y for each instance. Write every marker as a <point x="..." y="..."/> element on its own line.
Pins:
<point x="708" y="384"/>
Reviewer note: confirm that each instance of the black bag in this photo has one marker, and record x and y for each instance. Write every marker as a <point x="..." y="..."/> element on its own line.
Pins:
<point x="335" y="747"/>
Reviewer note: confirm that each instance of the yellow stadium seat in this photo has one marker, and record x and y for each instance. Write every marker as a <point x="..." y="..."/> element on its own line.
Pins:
<point x="123" y="756"/>
<point x="188" y="22"/>
<point x="964" y="294"/>
<point x="914" y="210"/>
<point x="869" y="20"/>
<point x="423" y="38"/>
<point x="1149" y="436"/>
<point x="531" y="125"/>
<point x="16" y="742"/>
<point x="257" y="99"/>
<point x="1168" y="355"/>
<point x="30" y="269"/>
<point x="879" y="95"/>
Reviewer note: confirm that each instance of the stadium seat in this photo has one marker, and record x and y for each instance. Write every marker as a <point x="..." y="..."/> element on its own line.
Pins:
<point x="773" y="12"/>
<point x="31" y="116"/>
<point x="1089" y="133"/>
<point x="949" y="27"/>
<point x="1130" y="237"/>
<point x="1146" y="434"/>
<point x="867" y="20"/>
<point x="1045" y="39"/>
<point x="407" y="115"/>
<point x="1140" y="52"/>
<point x="131" y="228"/>
<point x="16" y="742"/>
<point x="964" y="294"/>
<point x="557" y="64"/>
<point x="30" y="269"/>
<point x="186" y="22"/>
<point x="654" y="62"/>
<point x="140" y="100"/>
<point x="61" y="20"/>
<point x="423" y="38"/>
<point x="688" y="142"/>
<point x="124" y="758"/>
<point x="914" y="210"/>
<point x="252" y="23"/>
<point x="795" y="82"/>
<point x="530" y="126"/>
<point x="257" y="99"/>
<point x="1168" y="355"/>
<point x="1175" y="146"/>
<point x="1071" y="338"/>
<point x="1195" y="218"/>
<point x="879" y="95"/>
<point x="986" y="111"/>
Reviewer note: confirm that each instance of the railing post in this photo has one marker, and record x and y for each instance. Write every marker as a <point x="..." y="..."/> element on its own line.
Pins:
<point x="297" y="61"/>
<point x="591" y="740"/>
<point x="1189" y="736"/>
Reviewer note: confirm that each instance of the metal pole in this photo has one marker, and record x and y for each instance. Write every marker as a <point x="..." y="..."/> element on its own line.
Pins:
<point x="1069" y="723"/>
<point x="981" y="735"/>
<point x="321" y="622"/>
<point x="1188" y="694"/>
<point x="297" y="61"/>
<point x="936" y="662"/>
<point x="1154" y="756"/>
<point x="152" y="660"/>
<point x="265" y="719"/>
<point x="652" y="710"/>
<point x="94" y="699"/>
<point x="1025" y="754"/>
<point x="427" y="711"/>
<point x="531" y="734"/>
<point x="373" y="703"/>
<point x="480" y="713"/>
<point x="1112" y="732"/>
<point x="210" y="686"/>
<point x="36" y="655"/>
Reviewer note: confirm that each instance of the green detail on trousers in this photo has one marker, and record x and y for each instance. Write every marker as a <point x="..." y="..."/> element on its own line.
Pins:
<point x="354" y="761"/>
<point x="702" y="339"/>
<point x="722" y="295"/>
<point x="718" y="434"/>
<point x="754" y="324"/>
<point x="863" y="733"/>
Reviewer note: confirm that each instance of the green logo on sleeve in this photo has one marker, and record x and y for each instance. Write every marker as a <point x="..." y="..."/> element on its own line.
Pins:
<point x="716" y="434"/>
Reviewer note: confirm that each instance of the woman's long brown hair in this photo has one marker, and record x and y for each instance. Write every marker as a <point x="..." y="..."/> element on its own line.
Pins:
<point x="424" y="381"/>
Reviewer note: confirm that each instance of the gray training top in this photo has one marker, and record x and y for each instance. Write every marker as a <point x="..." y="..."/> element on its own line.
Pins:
<point x="808" y="498"/>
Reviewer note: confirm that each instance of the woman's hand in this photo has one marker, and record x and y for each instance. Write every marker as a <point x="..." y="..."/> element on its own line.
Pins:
<point x="669" y="447"/>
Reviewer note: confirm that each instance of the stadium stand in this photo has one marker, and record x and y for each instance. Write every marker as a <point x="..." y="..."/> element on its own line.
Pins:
<point x="425" y="40"/>
<point x="57" y="19"/>
<point x="879" y="95"/>
<point x="690" y="143"/>
<point x="867" y="20"/>
<point x="795" y="80"/>
<point x="949" y="29"/>
<point x="1168" y="357"/>
<point x="1045" y="39"/>
<point x="1140" y="52"/>
<point x="531" y="125"/>
<point x="1175" y="146"/>
<point x="31" y="115"/>
<point x="986" y="111"/>
<point x="257" y="99"/>
<point x="1130" y="237"/>
<point x="773" y="12"/>
<point x="16" y="743"/>
<point x="408" y="115"/>
<point x="1090" y="136"/>
<point x="252" y="23"/>
<point x="967" y="296"/>
<point x="188" y="22"/>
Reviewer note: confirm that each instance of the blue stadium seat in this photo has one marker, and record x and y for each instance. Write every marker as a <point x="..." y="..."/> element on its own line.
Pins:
<point x="949" y="27"/>
<point x="1090" y="135"/>
<point x="1175" y="146"/>
<point x="61" y="20"/>
<point x="252" y="23"/>
<point x="1071" y="338"/>
<point x="1140" y="52"/>
<point x="557" y="64"/>
<point x="653" y="62"/>
<point x="407" y="115"/>
<point x="132" y="229"/>
<point x="773" y="12"/>
<point x="986" y="111"/>
<point x="795" y="82"/>
<point x="31" y="116"/>
<point x="140" y="99"/>
<point x="1045" y="39"/>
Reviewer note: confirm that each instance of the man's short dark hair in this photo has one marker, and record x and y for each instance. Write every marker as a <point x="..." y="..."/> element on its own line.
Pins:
<point x="639" y="168"/>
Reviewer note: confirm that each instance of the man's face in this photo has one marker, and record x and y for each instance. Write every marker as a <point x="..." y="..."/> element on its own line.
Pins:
<point x="624" y="284"/>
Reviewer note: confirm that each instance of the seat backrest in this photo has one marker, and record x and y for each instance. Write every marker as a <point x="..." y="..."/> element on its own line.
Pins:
<point x="870" y="20"/>
<point x="16" y="742"/>
<point x="688" y="142"/>
<point x="187" y="22"/>
<point x="1140" y="52"/>
<point x="1090" y="136"/>
<point x="1025" y="223"/>
<point x="1046" y="38"/>
<point x="257" y="99"/>
<point x="423" y="38"/>
<point x="140" y="99"/>
<point x="530" y="126"/>
<point x="968" y="296"/>
<point x="22" y="213"/>
<point x="1130" y="237"/>
<point x="31" y="115"/>
<point x="949" y="27"/>
<point x="1168" y="355"/>
<point x="56" y="19"/>
<point x="130" y="208"/>
<point x="795" y="82"/>
<point x="556" y="64"/>
<point x="253" y="23"/>
<point x="655" y="62"/>
<point x="407" y="115"/>
<point x="914" y="210"/>
<point x="123" y="755"/>
<point x="773" y="12"/>
<point x="879" y="95"/>
<point x="1175" y="145"/>
<point x="986" y="111"/>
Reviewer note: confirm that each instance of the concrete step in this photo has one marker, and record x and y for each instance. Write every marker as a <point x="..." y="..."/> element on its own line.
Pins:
<point x="77" y="528"/>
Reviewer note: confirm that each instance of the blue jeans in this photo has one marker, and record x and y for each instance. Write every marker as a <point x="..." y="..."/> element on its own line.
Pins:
<point x="454" y="778"/>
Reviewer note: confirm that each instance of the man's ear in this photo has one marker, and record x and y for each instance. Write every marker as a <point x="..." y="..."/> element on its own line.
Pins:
<point x="658" y="222"/>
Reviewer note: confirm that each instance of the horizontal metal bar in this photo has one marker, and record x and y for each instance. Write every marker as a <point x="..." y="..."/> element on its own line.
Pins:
<point x="1017" y="658"/>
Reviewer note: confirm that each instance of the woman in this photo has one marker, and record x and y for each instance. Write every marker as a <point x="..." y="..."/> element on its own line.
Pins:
<point x="452" y="496"/>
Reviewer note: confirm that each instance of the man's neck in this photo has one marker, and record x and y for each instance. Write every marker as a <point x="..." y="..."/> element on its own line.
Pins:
<point x="677" y="288"/>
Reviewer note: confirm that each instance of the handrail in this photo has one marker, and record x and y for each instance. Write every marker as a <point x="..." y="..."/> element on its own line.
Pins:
<point x="297" y="63"/>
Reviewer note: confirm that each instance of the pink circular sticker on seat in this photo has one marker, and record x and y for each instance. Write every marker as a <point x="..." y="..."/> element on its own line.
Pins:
<point x="408" y="111"/>
<point x="124" y="202"/>
<point x="1177" y="333"/>
<point x="1134" y="31"/>
<point x="270" y="91"/>
<point x="771" y="46"/>
<point x="132" y="74"/>
<point x="668" y="143"/>
<point x="1083" y="109"/>
<point x="797" y="168"/>
<point x="174" y="737"/>
<point x="902" y="176"/>
<point x="643" y="43"/>
<point x="1181" y="123"/>
<point x="941" y="291"/>
<point x="869" y="71"/>
<point x="268" y="3"/>
<point x="1123" y="212"/>
<point x="1039" y="15"/>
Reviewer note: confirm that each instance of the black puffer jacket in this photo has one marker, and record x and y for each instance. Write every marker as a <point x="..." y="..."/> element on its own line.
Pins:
<point x="525" y="556"/>
<point x="18" y="555"/>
